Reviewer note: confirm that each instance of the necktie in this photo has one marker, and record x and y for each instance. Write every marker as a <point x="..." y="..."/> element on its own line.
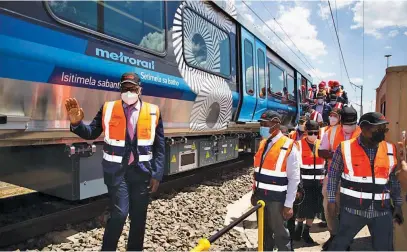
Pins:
<point x="130" y="129"/>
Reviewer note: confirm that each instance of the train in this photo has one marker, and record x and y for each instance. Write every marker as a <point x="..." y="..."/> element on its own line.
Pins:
<point x="209" y="69"/>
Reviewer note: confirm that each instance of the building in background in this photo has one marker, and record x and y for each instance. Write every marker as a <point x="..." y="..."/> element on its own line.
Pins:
<point x="391" y="101"/>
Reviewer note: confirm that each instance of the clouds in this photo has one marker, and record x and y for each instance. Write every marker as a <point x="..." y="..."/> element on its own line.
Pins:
<point x="305" y="38"/>
<point x="380" y="15"/>
<point x="356" y="80"/>
<point x="322" y="74"/>
<point x="387" y="47"/>
<point x="393" y="33"/>
<point x="324" y="11"/>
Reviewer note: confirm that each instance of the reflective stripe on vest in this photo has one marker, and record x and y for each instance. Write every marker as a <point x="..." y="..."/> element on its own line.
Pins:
<point x="322" y="132"/>
<point x="115" y="127"/>
<point x="314" y="115"/>
<point x="358" y="183"/>
<point x="336" y="136"/>
<point x="273" y="176"/>
<point x="306" y="159"/>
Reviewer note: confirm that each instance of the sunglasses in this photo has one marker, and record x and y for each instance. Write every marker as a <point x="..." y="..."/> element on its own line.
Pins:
<point x="312" y="133"/>
<point x="132" y="88"/>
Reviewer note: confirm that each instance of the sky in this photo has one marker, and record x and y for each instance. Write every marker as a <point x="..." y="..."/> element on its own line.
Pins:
<point x="307" y="28"/>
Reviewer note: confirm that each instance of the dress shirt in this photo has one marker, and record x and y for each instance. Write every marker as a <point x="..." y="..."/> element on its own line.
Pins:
<point x="320" y="108"/>
<point x="134" y="115"/>
<point x="293" y="171"/>
<point x="336" y="170"/>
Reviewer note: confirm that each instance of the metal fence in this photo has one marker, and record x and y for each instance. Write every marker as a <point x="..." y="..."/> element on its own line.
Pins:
<point x="205" y="244"/>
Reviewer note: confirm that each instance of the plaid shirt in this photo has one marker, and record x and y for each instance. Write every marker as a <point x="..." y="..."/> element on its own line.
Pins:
<point x="336" y="171"/>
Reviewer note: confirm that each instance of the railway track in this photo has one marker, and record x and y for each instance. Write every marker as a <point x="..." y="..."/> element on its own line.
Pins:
<point x="76" y="212"/>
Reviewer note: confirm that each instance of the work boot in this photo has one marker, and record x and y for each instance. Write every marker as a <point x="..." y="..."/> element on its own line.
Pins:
<point x="298" y="232"/>
<point x="326" y="245"/>
<point x="306" y="236"/>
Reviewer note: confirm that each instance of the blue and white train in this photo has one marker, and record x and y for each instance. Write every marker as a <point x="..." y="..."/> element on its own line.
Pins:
<point x="210" y="71"/>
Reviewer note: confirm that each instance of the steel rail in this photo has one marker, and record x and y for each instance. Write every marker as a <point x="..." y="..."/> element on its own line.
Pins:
<point x="22" y="231"/>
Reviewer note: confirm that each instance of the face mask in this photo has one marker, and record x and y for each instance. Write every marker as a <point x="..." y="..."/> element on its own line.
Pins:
<point x="320" y="101"/>
<point x="301" y="128"/>
<point x="378" y="136"/>
<point x="333" y="120"/>
<point x="348" y="129"/>
<point x="312" y="138"/>
<point x="265" y="131"/>
<point x="314" y="89"/>
<point x="335" y="89"/>
<point x="129" y="98"/>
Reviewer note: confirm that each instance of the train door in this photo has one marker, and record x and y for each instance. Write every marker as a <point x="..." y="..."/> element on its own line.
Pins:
<point x="248" y="96"/>
<point x="261" y="105"/>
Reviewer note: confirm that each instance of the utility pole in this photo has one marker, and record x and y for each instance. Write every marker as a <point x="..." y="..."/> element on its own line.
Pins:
<point x="387" y="56"/>
<point x="361" y="96"/>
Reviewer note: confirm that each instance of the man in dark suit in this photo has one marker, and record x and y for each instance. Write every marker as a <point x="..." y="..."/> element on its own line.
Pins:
<point x="133" y="157"/>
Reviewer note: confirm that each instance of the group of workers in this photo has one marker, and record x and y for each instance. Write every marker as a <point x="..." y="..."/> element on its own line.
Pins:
<point x="331" y="166"/>
<point x="327" y="165"/>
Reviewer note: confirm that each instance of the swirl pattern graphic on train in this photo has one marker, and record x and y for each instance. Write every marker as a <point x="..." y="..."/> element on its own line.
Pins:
<point x="194" y="44"/>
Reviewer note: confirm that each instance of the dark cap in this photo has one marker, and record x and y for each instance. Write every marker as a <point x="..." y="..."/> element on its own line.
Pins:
<point x="130" y="78"/>
<point x="269" y="116"/>
<point x="314" y="86"/>
<point x="311" y="125"/>
<point x="373" y="118"/>
<point x="332" y="96"/>
<point x="349" y="115"/>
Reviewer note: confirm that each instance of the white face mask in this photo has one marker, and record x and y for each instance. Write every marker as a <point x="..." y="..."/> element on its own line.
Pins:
<point x="130" y="98"/>
<point x="348" y="129"/>
<point x="333" y="120"/>
<point x="312" y="138"/>
<point x="320" y="101"/>
<point x="301" y="127"/>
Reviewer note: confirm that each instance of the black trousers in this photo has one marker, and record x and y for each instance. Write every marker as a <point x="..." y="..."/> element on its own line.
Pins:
<point x="127" y="198"/>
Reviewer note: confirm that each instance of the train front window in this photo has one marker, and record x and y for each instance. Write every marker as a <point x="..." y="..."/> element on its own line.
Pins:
<point x="276" y="80"/>
<point x="137" y="22"/>
<point x="206" y="46"/>
<point x="261" y="73"/>
<point x="248" y="67"/>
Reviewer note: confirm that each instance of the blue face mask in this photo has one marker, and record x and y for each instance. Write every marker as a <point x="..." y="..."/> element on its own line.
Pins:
<point x="265" y="132"/>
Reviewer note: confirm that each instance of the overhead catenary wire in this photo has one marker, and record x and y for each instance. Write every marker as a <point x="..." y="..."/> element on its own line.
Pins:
<point x="288" y="36"/>
<point x="244" y="2"/>
<point x="339" y="43"/>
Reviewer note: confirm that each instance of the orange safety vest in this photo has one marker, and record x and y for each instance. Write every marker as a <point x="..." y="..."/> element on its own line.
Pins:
<point x="115" y="128"/>
<point x="359" y="186"/>
<point x="314" y="115"/>
<point x="271" y="176"/>
<point x="312" y="166"/>
<point x="322" y="131"/>
<point x="336" y="136"/>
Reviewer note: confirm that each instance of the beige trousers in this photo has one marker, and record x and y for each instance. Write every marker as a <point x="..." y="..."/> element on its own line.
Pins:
<point x="332" y="222"/>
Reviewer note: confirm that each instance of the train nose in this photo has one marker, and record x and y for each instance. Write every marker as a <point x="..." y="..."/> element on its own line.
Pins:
<point x="213" y="115"/>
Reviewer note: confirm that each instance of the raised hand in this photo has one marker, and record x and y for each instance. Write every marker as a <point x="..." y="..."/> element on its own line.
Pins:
<point x="75" y="113"/>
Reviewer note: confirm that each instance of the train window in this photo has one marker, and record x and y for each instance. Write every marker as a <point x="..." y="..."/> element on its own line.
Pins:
<point x="290" y="91"/>
<point x="77" y="12"/>
<point x="248" y="67"/>
<point x="126" y="22"/>
<point x="261" y="73"/>
<point x="138" y="22"/>
<point x="206" y="46"/>
<point x="276" y="80"/>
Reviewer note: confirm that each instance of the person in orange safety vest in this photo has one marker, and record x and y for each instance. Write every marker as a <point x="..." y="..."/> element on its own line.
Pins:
<point x="369" y="191"/>
<point x="312" y="174"/>
<point x="346" y="130"/>
<point x="276" y="179"/>
<point x="133" y="157"/>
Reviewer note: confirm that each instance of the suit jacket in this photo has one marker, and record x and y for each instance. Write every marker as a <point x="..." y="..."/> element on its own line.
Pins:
<point x="325" y="112"/>
<point x="95" y="129"/>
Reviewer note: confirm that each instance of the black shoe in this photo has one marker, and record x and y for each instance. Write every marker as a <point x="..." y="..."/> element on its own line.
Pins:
<point x="348" y="249"/>
<point x="306" y="236"/>
<point x="326" y="245"/>
<point x="297" y="233"/>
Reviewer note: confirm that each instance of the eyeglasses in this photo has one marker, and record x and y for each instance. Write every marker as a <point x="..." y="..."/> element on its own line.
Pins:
<point x="310" y="133"/>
